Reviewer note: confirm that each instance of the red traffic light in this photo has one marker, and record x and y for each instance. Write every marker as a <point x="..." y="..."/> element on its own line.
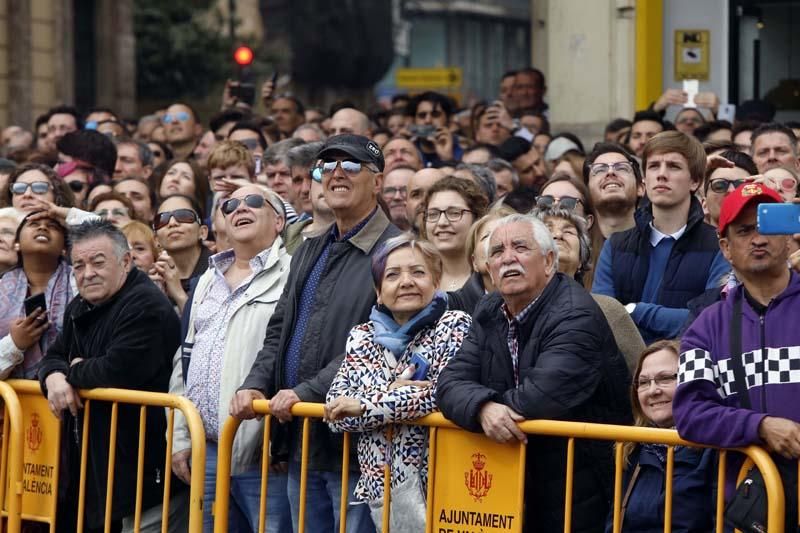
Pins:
<point x="243" y="56"/>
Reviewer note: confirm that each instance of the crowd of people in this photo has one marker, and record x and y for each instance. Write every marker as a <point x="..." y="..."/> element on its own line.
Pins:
<point x="389" y="264"/>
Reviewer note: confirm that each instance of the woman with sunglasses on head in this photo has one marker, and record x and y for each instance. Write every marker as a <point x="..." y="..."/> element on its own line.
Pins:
<point x="25" y="331"/>
<point x="644" y="483"/>
<point x="450" y="208"/>
<point x="569" y="232"/>
<point x="567" y="192"/>
<point x="180" y="232"/>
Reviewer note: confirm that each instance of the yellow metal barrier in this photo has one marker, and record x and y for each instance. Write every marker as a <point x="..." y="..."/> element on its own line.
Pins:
<point x="130" y="397"/>
<point x="552" y="428"/>
<point x="11" y="463"/>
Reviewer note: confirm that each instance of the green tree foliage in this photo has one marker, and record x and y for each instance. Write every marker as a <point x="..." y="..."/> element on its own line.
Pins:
<point x="175" y="53"/>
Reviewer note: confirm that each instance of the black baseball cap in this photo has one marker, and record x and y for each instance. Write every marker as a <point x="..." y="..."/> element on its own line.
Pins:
<point x="356" y="146"/>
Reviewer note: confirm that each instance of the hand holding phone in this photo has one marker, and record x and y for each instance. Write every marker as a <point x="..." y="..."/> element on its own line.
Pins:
<point x="37" y="301"/>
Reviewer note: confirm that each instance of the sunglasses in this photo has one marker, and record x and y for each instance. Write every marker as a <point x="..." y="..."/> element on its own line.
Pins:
<point x="565" y="202"/>
<point x="253" y="201"/>
<point x="351" y="168"/>
<point x="90" y="125"/>
<point x="422" y="115"/>
<point x="182" y="216"/>
<point x="117" y="212"/>
<point x="722" y="185"/>
<point x="180" y="116"/>
<point x="37" y="187"/>
<point x="76" y="186"/>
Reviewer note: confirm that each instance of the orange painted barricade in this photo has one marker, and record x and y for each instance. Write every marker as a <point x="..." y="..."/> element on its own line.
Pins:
<point x="29" y="392"/>
<point x="514" y="483"/>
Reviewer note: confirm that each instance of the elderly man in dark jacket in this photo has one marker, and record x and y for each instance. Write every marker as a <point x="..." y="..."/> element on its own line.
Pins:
<point x="540" y="348"/>
<point x="329" y="291"/>
<point x="121" y="331"/>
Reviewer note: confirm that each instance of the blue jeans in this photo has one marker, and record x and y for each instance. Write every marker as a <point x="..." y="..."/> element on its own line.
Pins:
<point x="323" y="497"/>
<point x="244" y="499"/>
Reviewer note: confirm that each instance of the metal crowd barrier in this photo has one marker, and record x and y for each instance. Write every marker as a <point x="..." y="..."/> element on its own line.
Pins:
<point x="30" y="389"/>
<point x="569" y="430"/>
<point x="11" y="462"/>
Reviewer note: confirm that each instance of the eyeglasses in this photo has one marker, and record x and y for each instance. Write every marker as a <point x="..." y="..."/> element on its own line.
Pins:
<point x="391" y="191"/>
<point x="76" y="186"/>
<point x="453" y="214"/>
<point x="723" y="185"/>
<point x="117" y="212"/>
<point x="436" y="113"/>
<point x="254" y="201"/>
<point x="37" y="187"/>
<point x="351" y="168"/>
<point x="182" y="216"/>
<point x="180" y="116"/>
<point x="157" y="153"/>
<point x="663" y="380"/>
<point x="565" y="202"/>
<point x="623" y="168"/>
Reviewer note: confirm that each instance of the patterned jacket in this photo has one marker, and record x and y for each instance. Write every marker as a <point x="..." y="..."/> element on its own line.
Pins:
<point x="366" y="373"/>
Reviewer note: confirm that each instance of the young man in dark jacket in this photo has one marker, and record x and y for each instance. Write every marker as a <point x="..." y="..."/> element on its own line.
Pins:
<point x="329" y="291"/>
<point x="671" y="255"/>
<point x="120" y="332"/>
<point x="708" y="405"/>
<point x="540" y="347"/>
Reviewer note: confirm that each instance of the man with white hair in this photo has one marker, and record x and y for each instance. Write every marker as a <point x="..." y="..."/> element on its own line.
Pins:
<point x="540" y="347"/>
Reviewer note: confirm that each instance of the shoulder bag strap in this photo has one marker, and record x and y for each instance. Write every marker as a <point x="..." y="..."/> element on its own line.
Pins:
<point x="739" y="378"/>
<point x="628" y="492"/>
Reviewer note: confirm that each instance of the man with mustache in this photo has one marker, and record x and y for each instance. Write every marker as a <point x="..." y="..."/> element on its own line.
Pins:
<point x="671" y="255"/>
<point x="540" y="347"/>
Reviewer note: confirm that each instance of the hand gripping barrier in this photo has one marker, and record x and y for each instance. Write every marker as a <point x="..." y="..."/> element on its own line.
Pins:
<point x="568" y="430"/>
<point x="27" y="388"/>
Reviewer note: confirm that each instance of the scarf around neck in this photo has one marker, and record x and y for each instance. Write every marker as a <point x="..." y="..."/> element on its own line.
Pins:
<point x="395" y="337"/>
<point x="13" y="291"/>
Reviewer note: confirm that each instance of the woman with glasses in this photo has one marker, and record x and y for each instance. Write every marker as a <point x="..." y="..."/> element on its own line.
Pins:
<point x="570" y="193"/>
<point x="113" y="207"/>
<point x="389" y="374"/>
<point x="644" y="484"/>
<point x="450" y="208"/>
<point x="32" y="185"/>
<point x="724" y="172"/>
<point x="180" y="232"/>
<point x="569" y="232"/>
<point x="28" y="329"/>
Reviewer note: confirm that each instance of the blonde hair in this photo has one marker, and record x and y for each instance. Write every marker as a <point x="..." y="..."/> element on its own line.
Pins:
<point x="496" y="213"/>
<point x="135" y="230"/>
<point x="229" y="154"/>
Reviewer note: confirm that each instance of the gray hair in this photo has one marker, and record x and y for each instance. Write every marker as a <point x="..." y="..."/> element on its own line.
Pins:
<point x="96" y="228"/>
<point x="145" y="153"/>
<point x="313" y="127"/>
<point x="585" y="252"/>
<point x="278" y="153"/>
<point x="499" y="165"/>
<point x="484" y="178"/>
<point x="539" y="231"/>
<point x="305" y="155"/>
<point x="12" y="213"/>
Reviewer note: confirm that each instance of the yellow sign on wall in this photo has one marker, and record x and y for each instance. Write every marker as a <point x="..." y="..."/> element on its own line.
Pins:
<point x="42" y="434"/>
<point x="692" y="51"/>
<point x="428" y="78"/>
<point x="478" y="484"/>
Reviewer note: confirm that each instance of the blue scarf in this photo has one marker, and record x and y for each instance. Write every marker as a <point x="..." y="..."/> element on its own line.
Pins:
<point x="395" y="337"/>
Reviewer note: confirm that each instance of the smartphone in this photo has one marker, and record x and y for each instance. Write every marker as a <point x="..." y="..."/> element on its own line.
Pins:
<point x="778" y="219"/>
<point x="727" y="112"/>
<point x="35" y="302"/>
<point x="691" y="88"/>
<point x="274" y="80"/>
<point x="244" y="92"/>
<point x="421" y="364"/>
<point x="422" y="131"/>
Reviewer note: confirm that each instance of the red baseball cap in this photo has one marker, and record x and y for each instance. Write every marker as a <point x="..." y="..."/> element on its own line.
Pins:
<point x="744" y="194"/>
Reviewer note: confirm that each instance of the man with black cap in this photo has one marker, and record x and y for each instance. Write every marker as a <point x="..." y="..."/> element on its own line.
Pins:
<point x="329" y="291"/>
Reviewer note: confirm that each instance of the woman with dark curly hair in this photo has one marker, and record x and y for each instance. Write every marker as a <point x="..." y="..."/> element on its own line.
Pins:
<point x="32" y="186"/>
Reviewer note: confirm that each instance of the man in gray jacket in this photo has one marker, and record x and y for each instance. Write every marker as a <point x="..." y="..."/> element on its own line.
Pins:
<point x="328" y="292"/>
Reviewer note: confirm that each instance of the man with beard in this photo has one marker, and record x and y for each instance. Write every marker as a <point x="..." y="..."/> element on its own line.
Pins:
<point x="615" y="185"/>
